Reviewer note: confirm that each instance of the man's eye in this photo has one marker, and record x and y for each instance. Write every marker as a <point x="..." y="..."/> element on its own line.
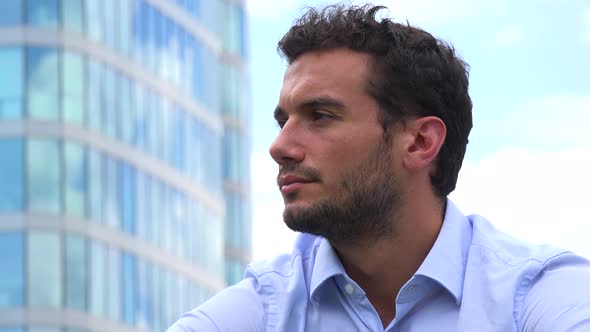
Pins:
<point x="321" y="115"/>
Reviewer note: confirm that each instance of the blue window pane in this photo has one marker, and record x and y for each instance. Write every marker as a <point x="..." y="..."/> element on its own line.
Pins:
<point x="175" y="53"/>
<point x="75" y="179"/>
<point x="11" y="12"/>
<point x="167" y="304"/>
<point x="208" y="13"/>
<point x="195" y="145"/>
<point x="109" y="22"/>
<point x="73" y="15"/>
<point x="43" y="175"/>
<point x="179" y="233"/>
<point x="111" y="107"/>
<point x="12" y="261"/>
<point x="44" y="269"/>
<point x="125" y="25"/>
<point x="179" y="140"/>
<point x="126" y="110"/>
<point x="114" y="284"/>
<point x="141" y="204"/>
<point x="182" y="294"/>
<point x="243" y="32"/>
<point x="94" y="95"/>
<point x="150" y="47"/>
<point x="139" y="122"/>
<point x="112" y="211"/>
<point x="166" y="140"/>
<point x="212" y="157"/>
<point x="95" y="185"/>
<point x="43" y="13"/>
<point x="11" y="80"/>
<point x="11" y="175"/>
<point x="195" y="60"/>
<point x="154" y="125"/>
<point x="157" y="211"/>
<point x="43" y="83"/>
<point x="139" y="17"/>
<point x="75" y="272"/>
<point x="211" y="81"/>
<point x="73" y="87"/>
<point x="193" y="7"/>
<point x="127" y="191"/>
<point x="168" y="50"/>
<point x="184" y="64"/>
<point x="166" y="221"/>
<point x="93" y="14"/>
<point x="156" y="295"/>
<point x="144" y="298"/>
<point x="159" y="23"/>
<point x="97" y="275"/>
<point x="129" y="288"/>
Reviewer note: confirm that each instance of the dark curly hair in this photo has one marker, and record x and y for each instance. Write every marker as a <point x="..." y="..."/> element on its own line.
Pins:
<point x="413" y="73"/>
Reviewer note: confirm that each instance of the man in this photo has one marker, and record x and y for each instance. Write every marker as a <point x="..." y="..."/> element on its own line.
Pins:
<point x="374" y="119"/>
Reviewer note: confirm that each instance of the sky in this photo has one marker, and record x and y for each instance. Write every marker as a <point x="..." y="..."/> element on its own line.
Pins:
<point x="527" y="167"/>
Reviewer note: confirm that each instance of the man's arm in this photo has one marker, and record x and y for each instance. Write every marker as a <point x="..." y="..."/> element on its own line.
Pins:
<point x="559" y="299"/>
<point x="238" y="308"/>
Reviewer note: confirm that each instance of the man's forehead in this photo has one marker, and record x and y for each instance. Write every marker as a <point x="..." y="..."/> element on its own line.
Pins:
<point x="325" y="72"/>
<point x="340" y="60"/>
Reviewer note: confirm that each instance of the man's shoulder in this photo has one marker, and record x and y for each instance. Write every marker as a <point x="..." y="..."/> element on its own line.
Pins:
<point x="495" y="245"/>
<point x="525" y="281"/>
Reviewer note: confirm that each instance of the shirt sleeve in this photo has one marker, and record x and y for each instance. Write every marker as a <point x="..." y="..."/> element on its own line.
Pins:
<point x="559" y="299"/>
<point x="238" y="308"/>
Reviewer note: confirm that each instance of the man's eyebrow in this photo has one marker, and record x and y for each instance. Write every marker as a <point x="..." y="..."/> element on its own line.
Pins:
<point x="321" y="102"/>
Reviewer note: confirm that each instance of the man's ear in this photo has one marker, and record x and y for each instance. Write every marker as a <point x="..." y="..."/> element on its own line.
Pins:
<point x="425" y="137"/>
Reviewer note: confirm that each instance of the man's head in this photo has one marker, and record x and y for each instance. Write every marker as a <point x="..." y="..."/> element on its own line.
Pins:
<point x="412" y="74"/>
<point x="364" y="111"/>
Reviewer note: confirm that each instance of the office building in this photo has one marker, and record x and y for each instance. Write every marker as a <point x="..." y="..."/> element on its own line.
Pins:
<point x="124" y="171"/>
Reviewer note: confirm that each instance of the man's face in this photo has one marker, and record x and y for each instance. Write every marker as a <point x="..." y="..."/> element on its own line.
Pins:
<point x="336" y="171"/>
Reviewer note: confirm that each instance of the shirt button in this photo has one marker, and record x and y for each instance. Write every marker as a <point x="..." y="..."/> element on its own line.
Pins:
<point x="349" y="289"/>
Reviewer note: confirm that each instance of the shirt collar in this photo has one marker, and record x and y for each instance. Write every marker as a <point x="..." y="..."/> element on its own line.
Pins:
<point x="327" y="265"/>
<point x="446" y="262"/>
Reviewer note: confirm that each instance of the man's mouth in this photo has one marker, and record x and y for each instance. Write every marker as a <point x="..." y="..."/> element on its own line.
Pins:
<point x="290" y="183"/>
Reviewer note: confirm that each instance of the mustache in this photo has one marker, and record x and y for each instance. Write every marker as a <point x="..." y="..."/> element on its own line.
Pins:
<point x="307" y="173"/>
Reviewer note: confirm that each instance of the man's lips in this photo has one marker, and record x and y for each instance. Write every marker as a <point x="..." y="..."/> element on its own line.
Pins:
<point x="290" y="183"/>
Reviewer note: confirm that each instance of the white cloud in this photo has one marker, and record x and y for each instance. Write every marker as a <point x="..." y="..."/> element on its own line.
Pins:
<point x="536" y="196"/>
<point x="586" y="25"/>
<point x="508" y="36"/>
<point x="555" y="121"/>
<point x="270" y="236"/>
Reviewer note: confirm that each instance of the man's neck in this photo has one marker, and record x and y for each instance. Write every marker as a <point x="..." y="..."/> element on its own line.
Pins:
<point x="382" y="266"/>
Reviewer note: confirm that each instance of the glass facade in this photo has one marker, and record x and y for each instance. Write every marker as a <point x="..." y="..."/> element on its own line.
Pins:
<point x="124" y="160"/>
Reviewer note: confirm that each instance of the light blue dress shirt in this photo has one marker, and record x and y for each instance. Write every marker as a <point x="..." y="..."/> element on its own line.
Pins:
<point x="475" y="278"/>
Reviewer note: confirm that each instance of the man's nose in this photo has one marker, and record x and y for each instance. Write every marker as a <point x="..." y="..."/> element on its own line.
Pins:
<point x="287" y="147"/>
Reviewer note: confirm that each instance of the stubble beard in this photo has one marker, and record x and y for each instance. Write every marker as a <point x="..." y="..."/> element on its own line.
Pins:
<point x="362" y="210"/>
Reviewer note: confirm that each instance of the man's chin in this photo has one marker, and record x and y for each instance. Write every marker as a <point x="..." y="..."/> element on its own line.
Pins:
<point x="301" y="217"/>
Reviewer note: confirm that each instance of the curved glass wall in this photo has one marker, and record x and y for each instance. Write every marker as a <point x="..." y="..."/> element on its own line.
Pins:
<point x="124" y="146"/>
